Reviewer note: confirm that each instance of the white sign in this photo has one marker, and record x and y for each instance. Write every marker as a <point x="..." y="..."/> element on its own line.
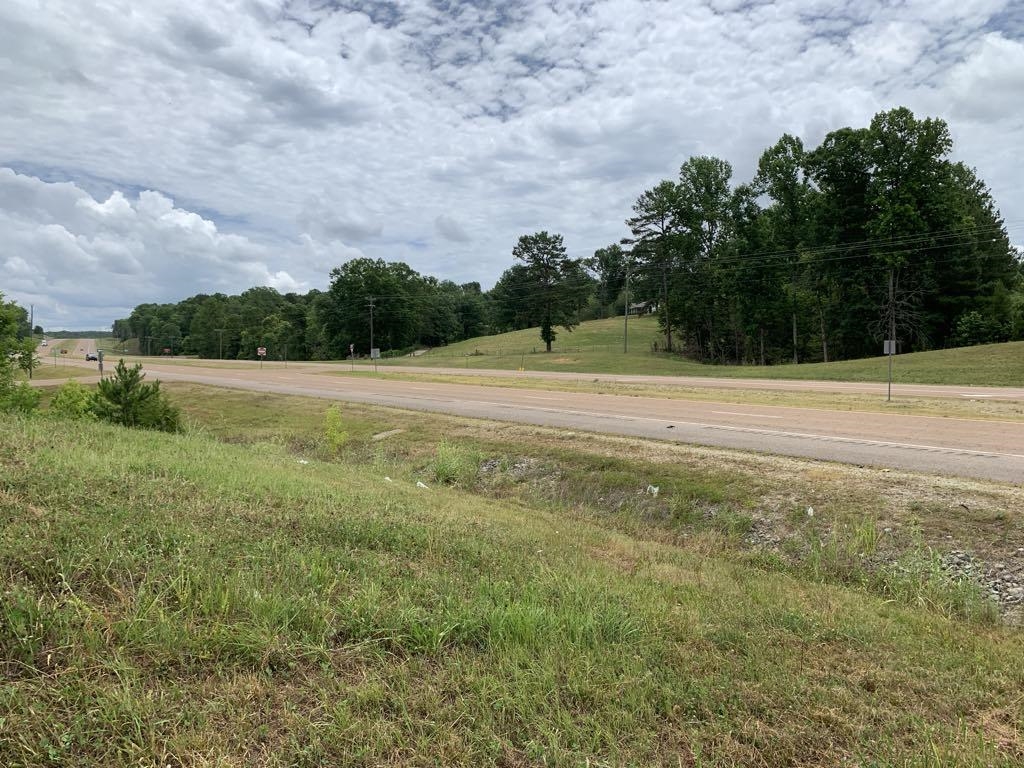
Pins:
<point x="889" y="347"/>
<point x="261" y="351"/>
<point x="375" y="353"/>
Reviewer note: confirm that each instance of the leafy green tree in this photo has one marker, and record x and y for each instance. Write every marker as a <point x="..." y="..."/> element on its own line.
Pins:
<point x="126" y="399"/>
<point x="471" y="311"/>
<point x="15" y="350"/>
<point x="608" y="266"/>
<point x="701" y="304"/>
<point x="560" y="286"/>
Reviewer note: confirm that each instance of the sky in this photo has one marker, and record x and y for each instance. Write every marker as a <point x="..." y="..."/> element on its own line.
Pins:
<point x="150" y="151"/>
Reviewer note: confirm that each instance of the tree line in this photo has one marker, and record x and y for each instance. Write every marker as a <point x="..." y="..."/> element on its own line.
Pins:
<point x="826" y="251"/>
<point x="874" y="233"/>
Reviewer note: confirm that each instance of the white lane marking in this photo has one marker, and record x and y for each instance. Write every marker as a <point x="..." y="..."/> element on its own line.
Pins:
<point x="541" y="397"/>
<point x="750" y="415"/>
<point x="968" y="394"/>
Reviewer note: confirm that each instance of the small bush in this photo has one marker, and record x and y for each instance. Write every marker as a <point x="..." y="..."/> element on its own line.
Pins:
<point x="73" y="401"/>
<point x="20" y="398"/>
<point x="334" y="429"/>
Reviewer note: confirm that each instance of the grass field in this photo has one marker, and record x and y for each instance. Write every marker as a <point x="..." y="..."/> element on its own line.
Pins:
<point x="954" y="407"/>
<point x="249" y="594"/>
<point x="596" y="346"/>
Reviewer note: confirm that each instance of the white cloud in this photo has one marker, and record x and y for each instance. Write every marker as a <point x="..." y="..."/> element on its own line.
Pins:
<point x="64" y="249"/>
<point x="304" y="133"/>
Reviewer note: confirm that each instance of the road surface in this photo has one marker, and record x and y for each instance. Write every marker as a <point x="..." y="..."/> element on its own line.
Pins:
<point x="986" y="449"/>
<point x="706" y="382"/>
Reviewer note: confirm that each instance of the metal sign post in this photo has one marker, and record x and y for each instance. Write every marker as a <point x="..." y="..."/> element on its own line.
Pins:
<point x="889" y="348"/>
<point x="261" y="352"/>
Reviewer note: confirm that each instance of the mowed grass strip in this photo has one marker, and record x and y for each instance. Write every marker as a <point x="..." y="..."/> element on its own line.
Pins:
<point x="596" y="346"/>
<point x="175" y="600"/>
<point x="955" y="407"/>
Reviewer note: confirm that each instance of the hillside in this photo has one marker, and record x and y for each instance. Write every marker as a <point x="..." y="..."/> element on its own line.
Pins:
<point x="597" y="347"/>
<point x="176" y="600"/>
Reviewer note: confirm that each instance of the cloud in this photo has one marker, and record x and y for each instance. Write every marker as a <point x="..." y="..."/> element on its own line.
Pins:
<point x="295" y="136"/>
<point x="340" y="220"/>
<point x="63" y="248"/>
<point x="450" y="229"/>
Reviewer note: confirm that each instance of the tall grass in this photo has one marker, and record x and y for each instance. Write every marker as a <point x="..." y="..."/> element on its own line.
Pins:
<point x="168" y="599"/>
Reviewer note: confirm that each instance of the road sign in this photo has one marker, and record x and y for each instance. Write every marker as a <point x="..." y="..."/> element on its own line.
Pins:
<point x="351" y="349"/>
<point x="261" y="351"/>
<point x="889" y="347"/>
<point x="375" y="353"/>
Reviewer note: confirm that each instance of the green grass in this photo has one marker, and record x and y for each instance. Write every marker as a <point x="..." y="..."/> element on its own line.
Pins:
<point x="60" y="371"/>
<point x="176" y="600"/>
<point x="596" y="347"/>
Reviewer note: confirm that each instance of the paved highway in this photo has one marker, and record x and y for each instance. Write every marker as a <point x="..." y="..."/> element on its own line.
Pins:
<point x="977" y="448"/>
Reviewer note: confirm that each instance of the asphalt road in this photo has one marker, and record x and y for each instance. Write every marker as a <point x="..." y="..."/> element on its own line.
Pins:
<point x="985" y="449"/>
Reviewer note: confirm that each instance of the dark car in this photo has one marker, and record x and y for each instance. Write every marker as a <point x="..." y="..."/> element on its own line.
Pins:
<point x="90" y="356"/>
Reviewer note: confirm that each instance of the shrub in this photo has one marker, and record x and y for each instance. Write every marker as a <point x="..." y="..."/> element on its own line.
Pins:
<point x="20" y="397"/>
<point x="334" y="429"/>
<point x="974" y="328"/>
<point x="73" y="401"/>
<point x="126" y="400"/>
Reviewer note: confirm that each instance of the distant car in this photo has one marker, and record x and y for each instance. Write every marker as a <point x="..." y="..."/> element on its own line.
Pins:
<point x="42" y="343"/>
<point x="90" y="356"/>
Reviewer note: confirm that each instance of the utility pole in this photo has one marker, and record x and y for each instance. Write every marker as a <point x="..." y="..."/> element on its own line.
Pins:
<point x="371" y="302"/>
<point x="892" y="330"/>
<point x="220" y="343"/>
<point x="31" y="335"/>
<point x="625" y="316"/>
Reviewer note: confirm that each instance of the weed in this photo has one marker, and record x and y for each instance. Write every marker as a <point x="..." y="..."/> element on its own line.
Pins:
<point x="334" y="429"/>
<point x="454" y="464"/>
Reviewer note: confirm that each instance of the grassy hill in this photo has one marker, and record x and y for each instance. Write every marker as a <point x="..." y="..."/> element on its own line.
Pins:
<point x="597" y="346"/>
<point x="174" y="600"/>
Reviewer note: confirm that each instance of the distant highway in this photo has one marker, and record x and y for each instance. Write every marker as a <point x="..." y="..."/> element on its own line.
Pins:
<point x="986" y="449"/>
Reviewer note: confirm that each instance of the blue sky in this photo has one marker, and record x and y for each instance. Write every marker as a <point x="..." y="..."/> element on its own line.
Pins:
<point x="150" y="151"/>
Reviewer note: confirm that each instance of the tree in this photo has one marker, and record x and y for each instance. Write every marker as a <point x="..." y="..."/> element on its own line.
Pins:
<point x="126" y="399"/>
<point x="781" y="175"/>
<point x="508" y="310"/>
<point x="15" y="350"/>
<point x="559" y="284"/>
<point x="654" y="248"/>
<point x="700" y="302"/>
<point x="608" y="266"/>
